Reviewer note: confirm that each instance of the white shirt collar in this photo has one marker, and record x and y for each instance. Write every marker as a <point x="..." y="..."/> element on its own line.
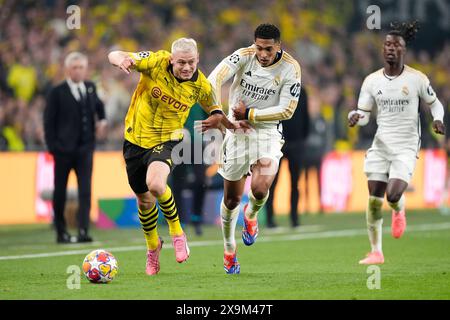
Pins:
<point x="74" y="88"/>
<point x="76" y="84"/>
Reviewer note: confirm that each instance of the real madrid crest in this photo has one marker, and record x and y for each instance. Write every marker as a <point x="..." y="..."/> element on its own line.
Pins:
<point x="276" y="81"/>
<point x="405" y="90"/>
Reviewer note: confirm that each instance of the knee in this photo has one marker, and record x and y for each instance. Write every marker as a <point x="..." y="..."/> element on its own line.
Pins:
<point x="232" y="202"/>
<point x="145" y="203"/>
<point x="375" y="203"/>
<point x="374" y="209"/>
<point x="260" y="190"/>
<point x="156" y="188"/>
<point x="259" y="193"/>
<point x="393" y="197"/>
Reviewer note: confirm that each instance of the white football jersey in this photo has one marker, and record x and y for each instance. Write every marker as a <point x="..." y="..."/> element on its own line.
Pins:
<point x="397" y="100"/>
<point x="270" y="93"/>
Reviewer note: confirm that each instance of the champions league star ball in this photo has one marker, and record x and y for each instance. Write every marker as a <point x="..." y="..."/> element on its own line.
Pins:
<point x="100" y="266"/>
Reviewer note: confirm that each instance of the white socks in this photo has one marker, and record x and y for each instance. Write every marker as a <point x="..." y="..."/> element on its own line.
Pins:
<point x="254" y="205"/>
<point x="229" y="219"/>
<point x="374" y="222"/>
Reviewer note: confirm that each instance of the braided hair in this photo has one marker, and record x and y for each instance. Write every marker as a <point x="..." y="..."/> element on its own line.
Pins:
<point x="406" y="30"/>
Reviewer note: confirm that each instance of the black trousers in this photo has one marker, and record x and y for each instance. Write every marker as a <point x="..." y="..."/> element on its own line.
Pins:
<point x="293" y="153"/>
<point x="294" y="169"/>
<point x="197" y="186"/>
<point x="81" y="162"/>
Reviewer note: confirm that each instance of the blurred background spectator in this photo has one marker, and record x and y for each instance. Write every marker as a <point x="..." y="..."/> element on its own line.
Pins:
<point x="295" y="132"/>
<point x="329" y="38"/>
<point x="191" y="175"/>
<point x="315" y="149"/>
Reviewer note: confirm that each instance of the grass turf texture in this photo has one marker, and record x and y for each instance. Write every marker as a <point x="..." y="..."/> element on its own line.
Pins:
<point x="317" y="261"/>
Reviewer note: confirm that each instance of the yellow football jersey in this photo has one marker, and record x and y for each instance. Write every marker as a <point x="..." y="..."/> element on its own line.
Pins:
<point x="161" y="104"/>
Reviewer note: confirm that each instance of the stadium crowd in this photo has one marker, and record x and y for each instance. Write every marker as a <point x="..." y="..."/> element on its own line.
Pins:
<point x="35" y="39"/>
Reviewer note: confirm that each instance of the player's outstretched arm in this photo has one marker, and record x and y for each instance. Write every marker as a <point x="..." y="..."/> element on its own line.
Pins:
<point x="235" y="125"/>
<point x="220" y="120"/>
<point x="121" y="60"/>
<point x="212" y="122"/>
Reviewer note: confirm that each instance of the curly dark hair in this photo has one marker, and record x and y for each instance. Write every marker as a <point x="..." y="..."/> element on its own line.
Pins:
<point x="406" y="30"/>
<point x="267" y="31"/>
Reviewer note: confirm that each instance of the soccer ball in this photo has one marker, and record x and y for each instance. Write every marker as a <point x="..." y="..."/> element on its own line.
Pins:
<point x="100" y="266"/>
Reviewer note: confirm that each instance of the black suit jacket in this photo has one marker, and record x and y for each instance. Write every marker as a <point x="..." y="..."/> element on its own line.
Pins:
<point x="297" y="128"/>
<point x="70" y="125"/>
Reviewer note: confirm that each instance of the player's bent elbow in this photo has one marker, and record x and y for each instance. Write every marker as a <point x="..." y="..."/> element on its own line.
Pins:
<point x="113" y="57"/>
<point x="287" y="115"/>
<point x="110" y="55"/>
<point x="363" y="121"/>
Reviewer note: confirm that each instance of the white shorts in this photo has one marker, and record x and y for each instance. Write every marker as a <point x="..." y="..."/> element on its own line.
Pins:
<point x="379" y="166"/>
<point x="241" y="151"/>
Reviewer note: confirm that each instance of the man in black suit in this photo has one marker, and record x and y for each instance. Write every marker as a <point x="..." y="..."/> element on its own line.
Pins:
<point x="295" y="132"/>
<point x="74" y="115"/>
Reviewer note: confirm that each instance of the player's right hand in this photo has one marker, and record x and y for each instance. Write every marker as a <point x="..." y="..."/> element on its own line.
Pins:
<point x="126" y="64"/>
<point x="438" y="127"/>
<point x="239" y="111"/>
<point x="353" y="118"/>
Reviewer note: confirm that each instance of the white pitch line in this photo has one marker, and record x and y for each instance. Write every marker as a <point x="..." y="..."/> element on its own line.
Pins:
<point x="294" y="237"/>
<point x="356" y="232"/>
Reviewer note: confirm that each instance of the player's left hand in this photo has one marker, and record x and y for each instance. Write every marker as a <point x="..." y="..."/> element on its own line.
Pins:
<point x="239" y="111"/>
<point x="438" y="127"/>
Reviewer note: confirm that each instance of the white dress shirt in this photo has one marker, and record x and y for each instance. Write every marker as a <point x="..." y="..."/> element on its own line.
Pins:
<point x="74" y="86"/>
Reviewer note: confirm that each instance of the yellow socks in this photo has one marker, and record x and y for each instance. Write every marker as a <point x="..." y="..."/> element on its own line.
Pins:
<point x="168" y="207"/>
<point x="148" y="219"/>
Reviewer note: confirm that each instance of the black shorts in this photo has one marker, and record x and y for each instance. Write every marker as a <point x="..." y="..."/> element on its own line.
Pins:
<point x="137" y="160"/>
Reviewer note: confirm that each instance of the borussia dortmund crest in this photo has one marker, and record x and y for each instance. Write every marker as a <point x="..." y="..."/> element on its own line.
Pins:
<point x="158" y="149"/>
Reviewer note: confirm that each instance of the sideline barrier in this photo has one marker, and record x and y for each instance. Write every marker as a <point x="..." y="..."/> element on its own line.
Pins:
<point x="25" y="175"/>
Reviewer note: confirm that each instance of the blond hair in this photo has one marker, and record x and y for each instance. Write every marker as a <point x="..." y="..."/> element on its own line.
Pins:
<point x="184" y="45"/>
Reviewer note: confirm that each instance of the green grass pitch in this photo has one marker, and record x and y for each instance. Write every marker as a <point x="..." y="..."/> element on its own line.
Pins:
<point x="317" y="261"/>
